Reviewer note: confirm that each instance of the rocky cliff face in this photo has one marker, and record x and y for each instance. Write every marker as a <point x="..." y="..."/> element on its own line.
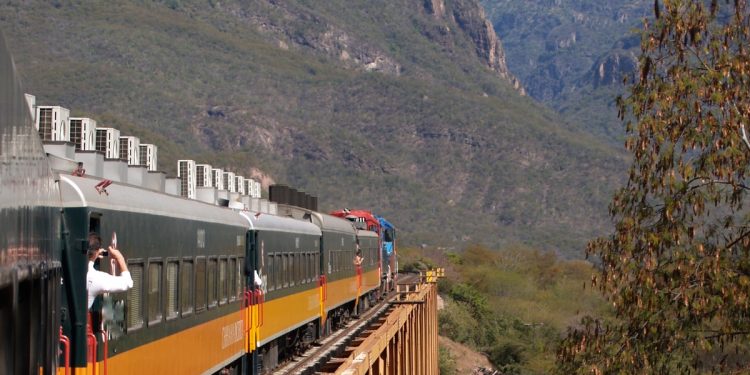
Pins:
<point x="470" y="17"/>
<point x="571" y="54"/>
<point x="296" y="26"/>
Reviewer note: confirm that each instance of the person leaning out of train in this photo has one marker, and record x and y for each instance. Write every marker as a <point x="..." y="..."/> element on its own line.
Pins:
<point x="98" y="282"/>
<point x="358" y="258"/>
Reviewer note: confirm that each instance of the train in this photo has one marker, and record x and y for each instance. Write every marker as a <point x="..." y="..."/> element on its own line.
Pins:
<point x="216" y="288"/>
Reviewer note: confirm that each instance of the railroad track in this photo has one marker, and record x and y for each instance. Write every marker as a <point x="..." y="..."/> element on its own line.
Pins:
<point x="334" y="345"/>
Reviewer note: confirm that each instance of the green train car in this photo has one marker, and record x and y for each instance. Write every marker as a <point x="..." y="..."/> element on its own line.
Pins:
<point x="215" y="290"/>
<point x="226" y="290"/>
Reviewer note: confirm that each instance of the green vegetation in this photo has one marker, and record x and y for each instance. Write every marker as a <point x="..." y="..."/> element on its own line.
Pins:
<point x="677" y="267"/>
<point x="513" y="304"/>
<point x="446" y="362"/>
<point x="431" y="138"/>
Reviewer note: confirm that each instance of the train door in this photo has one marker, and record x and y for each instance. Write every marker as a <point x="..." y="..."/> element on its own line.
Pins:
<point x="78" y="222"/>
<point x="254" y="287"/>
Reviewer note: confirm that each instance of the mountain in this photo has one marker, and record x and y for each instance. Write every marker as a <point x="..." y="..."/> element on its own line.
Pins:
<point x="405" y="107"/>
<point x="572" y="55"/>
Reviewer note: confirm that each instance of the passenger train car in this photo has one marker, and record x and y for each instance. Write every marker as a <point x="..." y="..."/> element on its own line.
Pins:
<point x="30" y="268"/>
<point x="386" y="234"/>
<point x="215" y="289"/>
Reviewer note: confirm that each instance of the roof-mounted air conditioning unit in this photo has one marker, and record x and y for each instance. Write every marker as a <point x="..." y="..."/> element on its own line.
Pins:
<point x="130" y="150"/>
<point x="217" y="178"/>
<point x="148" y="156"/>
<point x="186" y="173"/>
<point x="108" y="142"/>
<point x="203" y="175"/>
<point x="83" y="133"/>
<point x="229" y="183"/>
<point x="52" y="122"/>
<point x="239" y="184"/>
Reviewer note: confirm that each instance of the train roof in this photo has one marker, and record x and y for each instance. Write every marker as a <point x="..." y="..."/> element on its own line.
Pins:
<point x="385" y="223"/>
<point x="366" y="233"/>
<point x="329" y="223"/>
<point x="81" y="192"/>
<point x="268" y="222"/>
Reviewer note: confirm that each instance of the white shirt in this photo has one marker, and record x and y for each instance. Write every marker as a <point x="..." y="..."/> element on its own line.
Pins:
<point x="98" y="282"/>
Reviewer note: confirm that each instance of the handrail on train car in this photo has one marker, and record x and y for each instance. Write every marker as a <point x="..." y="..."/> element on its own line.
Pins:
<point x="91" y="341"/>
<point x="359" y="276"/>
<point x="66" y="343"/>
<point x="247" y="303"/>
<point x="260" y="300"/>
<point x="322" y="282"/>
<point x="105" y="341"/>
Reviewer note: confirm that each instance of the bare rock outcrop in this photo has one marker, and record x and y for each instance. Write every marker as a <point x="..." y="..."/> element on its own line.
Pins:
<point x="470" y="17"/>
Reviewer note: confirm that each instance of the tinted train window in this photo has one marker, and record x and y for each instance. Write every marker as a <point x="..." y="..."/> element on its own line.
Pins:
<point x="298" y="271"/>
<point x="270" y="274"/>
<point x="238" y="275"/>
<point x="135" y="296"/>
<point x="186" y="287"/>
<point x="231" y="276"/>
<point x="222" y="281"/>
<point x="306" y="266"/>
<point x="292" y="269"/>
<point x="212" y="287"/>
<point x="154" y="293"/>
<point x="285" y="269"/>
<point x="277" y="270"/>
<point x="200" y="284"/>
<point x="172" y="277"/>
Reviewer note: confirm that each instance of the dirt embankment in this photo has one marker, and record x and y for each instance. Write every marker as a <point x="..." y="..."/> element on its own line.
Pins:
<point x="467" y="360"/>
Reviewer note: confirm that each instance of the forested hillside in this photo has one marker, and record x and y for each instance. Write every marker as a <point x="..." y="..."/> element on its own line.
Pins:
<point x="406" y="107"/>
<point x="572" y="55"/>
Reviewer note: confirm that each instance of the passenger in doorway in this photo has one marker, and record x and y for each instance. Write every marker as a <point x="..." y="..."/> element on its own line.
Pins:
<point x="98" y="282"/>
<point x="79" y="171"/>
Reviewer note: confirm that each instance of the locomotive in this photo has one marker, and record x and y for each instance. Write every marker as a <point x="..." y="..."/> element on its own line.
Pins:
<point x="217" y="288"/>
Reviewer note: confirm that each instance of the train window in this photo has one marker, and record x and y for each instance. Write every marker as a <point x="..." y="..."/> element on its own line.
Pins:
<point x="186" y="287"/>
<point x="330" y="261"/>
<point x="293" y="268"/>
<point x="302" y="270"/>
<point x="270" y="273"/>
<point x="298" y="270"/>
<point x="212" y="287"/>
<point x="231" y="283"/>
<point x="222" y="281"/>
<point x="172" y="277"/>
<point x="307" y="261"/>
<point x="200" y="284"/>
<point x="278" y="274"/>
<point x="135" y="296"/>
<point x="154" y="293"/>
<point x="313" y="266"/>
<point x="285" y="269"/>
<point x="238" y="275"/>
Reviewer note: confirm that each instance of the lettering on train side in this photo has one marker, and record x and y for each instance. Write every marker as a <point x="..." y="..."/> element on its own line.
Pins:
<point x="231" y="334"/>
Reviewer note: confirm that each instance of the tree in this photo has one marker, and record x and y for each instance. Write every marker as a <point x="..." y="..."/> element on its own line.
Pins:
<point x="676" y="269"/>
